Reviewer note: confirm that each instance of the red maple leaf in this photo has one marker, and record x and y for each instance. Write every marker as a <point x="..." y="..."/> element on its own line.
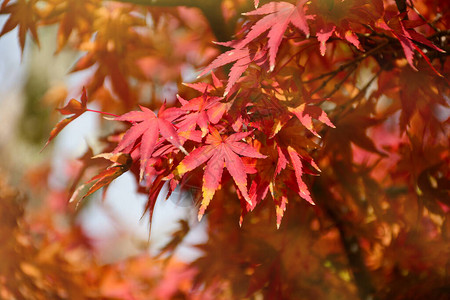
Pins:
<point x="204" y="87"/>
<point x="298" y="170"/>
<point x="74" y="108"/>
<point x="278" y="17"/>
<point x="242" y="56"/>
<point x="343" y="19"/>
<point x="406" y="35"/>
<point x="305" y="113"/>
<point x="220" y="152"/>
<point x="267" y="178"/>
<point x="201" y="110"/>
<point x="274" y="175"/>
<point x="146" y="128"/>
<point x="121" y="163"/>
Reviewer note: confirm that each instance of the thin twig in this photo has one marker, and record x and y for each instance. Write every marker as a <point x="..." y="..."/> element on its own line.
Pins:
<point x="410" y="5"/>
<point x="338" y="85"/>
<point x="358" y="96"/>
<point x="346" y="65"/>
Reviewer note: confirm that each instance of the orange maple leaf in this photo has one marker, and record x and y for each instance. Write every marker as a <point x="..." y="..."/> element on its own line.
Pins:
<point x="22" y="14"/>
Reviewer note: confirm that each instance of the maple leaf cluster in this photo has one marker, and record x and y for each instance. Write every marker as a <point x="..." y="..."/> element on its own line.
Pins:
<point x="338" y="104"/>
<point x="47" y="261"/>
<point x="232" y="127"/>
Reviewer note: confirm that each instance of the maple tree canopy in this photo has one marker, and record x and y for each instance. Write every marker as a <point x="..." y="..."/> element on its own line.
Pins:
<point x="332" y="112"/>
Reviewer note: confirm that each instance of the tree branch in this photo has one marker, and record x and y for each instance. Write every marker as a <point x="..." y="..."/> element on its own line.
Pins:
<point x="165" y="3"/>
<point x="211" y="9"/>
<point x="350" y="243"/>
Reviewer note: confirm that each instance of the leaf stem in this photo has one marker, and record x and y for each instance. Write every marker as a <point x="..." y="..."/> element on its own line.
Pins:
<point x="348" y="64"/>
<point x="102" y="112"/>
<point x="422" y="17"/>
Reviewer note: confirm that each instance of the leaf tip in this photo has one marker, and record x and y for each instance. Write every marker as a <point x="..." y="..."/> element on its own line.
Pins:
<point x="45" y="146"/>
<point x="183" y="150"/>
<point x="200" y="215"/>
<point x="84" y="98"/>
